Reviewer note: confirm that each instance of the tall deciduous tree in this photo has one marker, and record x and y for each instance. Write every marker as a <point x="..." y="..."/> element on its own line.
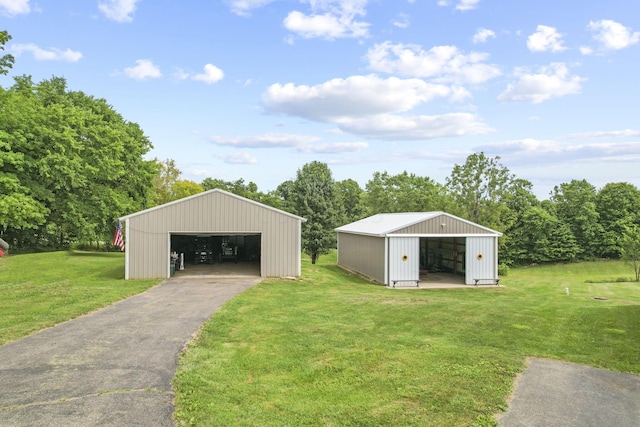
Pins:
<point x="618" y="207"/>
<point x="479" y="187"/>
<point x="6" y="61"/>
<point x="630" y="244"/>
<point x="70" y="165"/>
<point x="405" y="192"/>
<point x="576" y="206"/>
<point x="314" y="198"/>
<point x="351" y="201"/>
<point x="238" y="187"/>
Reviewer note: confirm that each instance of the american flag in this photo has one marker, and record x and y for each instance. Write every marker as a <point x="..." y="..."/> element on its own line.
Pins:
<point x="117" y="238"/>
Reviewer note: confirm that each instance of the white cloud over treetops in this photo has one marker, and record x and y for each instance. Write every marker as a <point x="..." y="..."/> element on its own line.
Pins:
<point x="118" y="10"/>
<point x="529" y="150"/>
<point x="545" y="39"/>
<point x="301" y="143"/>
<point x="357" y="96"/>
<point x="440" y="63"/>
<point x="369" y="106"/>
<point x="144" y="69"/>
<point x="12" y="8"/>
<point x="52" y="54"/>
<point x="241" y="158"/>
<point x="270" y="140"/>
<point x="613" y="35"/>
<point x="607" y="134"/>
<point x="552" y="81"/>
<point x="397" y="127"/>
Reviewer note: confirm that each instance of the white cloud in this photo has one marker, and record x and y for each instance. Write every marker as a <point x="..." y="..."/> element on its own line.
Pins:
<point x="270" y="140"/>
<point x="333" y="148"/>
<point x="442" y="63"/>
<point x="301" y="143"/>
<point x="242" y="158"/>
<point x="143" y="70"/>
<point x="613" y="35"/>
<point x="461" y="5"/>
<point x="467" y="4"/>
<point x="534" y="151"/>
<point x="607" y="134"/>
<point x="212" y="74"/>
<point x="550" y="82"/>
<point x="329" y="19"/>
<point x="118" y="10"/>
<point x="402" y="20"/>
<point x="354" y="96"/>
<point x="482" y="35"/>
<point x="12" y="8"/>
<point x="52" y="54"/>
<point x="545" y="39"/>
<point x="244" y="7"/>
<point x="395" y="127"/>
<point x="586" y="50"/>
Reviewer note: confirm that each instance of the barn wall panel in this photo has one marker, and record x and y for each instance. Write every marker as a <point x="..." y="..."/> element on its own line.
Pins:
<point x="363" y="254"/>
<point x="435" y="226"/>
<point x="404" y="260"/>
<point x="481" y="259"/>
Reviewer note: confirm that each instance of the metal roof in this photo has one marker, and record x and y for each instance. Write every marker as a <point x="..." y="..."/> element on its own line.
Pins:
<point x="386" y="223"/>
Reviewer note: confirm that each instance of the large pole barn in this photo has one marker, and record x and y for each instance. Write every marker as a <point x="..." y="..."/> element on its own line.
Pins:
<point x="211" y="229"/>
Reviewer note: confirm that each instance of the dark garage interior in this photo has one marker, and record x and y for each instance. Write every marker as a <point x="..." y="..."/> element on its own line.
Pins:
<point x="216" y="250"/>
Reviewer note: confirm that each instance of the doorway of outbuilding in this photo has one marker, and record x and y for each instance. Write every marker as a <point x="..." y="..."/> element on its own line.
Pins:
<point x="218" y="253"/>
<point x="442" y="259"/>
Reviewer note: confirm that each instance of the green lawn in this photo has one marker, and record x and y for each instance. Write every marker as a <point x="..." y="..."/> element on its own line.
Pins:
<point x="334" y="350"/>
<point x="40" y="290"/>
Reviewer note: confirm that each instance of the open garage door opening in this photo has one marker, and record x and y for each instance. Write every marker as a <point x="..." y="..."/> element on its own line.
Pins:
<point x="217" y="254"/>
<point x="442" y="259"/>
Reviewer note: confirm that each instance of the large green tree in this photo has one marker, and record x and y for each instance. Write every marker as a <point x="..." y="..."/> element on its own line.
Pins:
<point x="575" y="204"/>
<point x="70" y="165"/>
<point x="313" y="197"/>
<point x="240" y="188"/>
<point x="630" y="245"/>
<point x="405" y="192"/>
<point x="6" y="61"/>
<point x="479" y="188"/>
<point x="618" y="207"/>
<point x="351" y="201"/>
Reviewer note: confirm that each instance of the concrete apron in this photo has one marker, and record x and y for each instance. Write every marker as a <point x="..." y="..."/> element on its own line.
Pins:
<point x="112" y="367"/>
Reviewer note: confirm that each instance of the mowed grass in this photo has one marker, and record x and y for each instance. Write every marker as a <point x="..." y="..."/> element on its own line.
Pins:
<point x="333" y="350"/>
<point x="40" y="290"/>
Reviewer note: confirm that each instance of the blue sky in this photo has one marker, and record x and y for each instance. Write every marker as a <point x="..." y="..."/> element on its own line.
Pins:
<point x="255" y="89"/>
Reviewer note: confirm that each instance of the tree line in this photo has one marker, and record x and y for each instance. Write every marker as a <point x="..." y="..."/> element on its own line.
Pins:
<point x="70" y="165"/>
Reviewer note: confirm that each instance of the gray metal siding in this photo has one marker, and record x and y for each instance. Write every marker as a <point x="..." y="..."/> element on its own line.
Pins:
<point x="404" y="259"/>
<point x="363" y="254"/>
<point x="434" y="226"/>
<point x="481" y="259"/>
<point x="148" y="241"/>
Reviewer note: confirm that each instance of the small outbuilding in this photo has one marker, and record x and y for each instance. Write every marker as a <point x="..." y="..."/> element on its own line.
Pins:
<point x="401" y="248"/>
<point x="211" y="229"/>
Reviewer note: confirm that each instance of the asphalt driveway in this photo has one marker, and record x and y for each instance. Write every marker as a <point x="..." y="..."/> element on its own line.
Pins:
<point x="552" y="393"/>
<point x="112" y="367"/>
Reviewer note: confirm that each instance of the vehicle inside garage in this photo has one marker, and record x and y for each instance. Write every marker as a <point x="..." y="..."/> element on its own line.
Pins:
<point x="215" y="251"/>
